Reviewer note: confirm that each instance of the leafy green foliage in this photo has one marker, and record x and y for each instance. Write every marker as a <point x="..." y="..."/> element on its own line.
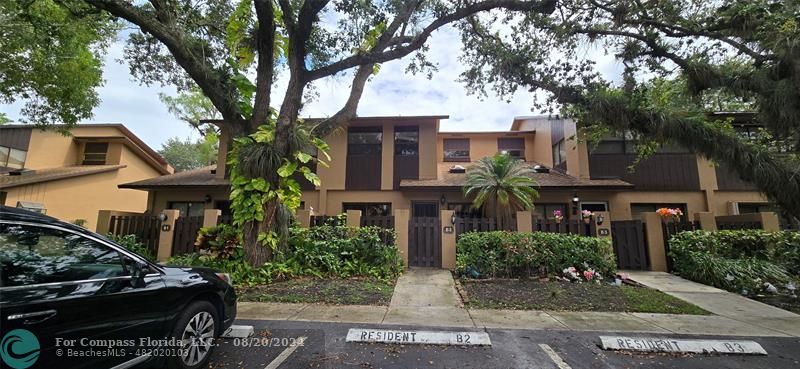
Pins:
<point x="519" y="254"/>
<point x="220" y="242"/>
<point x="736" y="260"/>
<point x="502" y="184"/>
<point x="52" y="58"/>
<point x="331" y="250"/>
<point x="187" y="154"/>
<point x="191" y="106"/>
<point x="132" y="244"/>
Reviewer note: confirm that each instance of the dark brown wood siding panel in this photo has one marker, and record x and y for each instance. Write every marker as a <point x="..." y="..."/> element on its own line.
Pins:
<point x="405" y="167"/>
<point x="15" y="138"/>
<point x="556" y="131"/>
<point x="659" y="172"/>
<point x="728" y="180"/>
<point x="363" y="172"/>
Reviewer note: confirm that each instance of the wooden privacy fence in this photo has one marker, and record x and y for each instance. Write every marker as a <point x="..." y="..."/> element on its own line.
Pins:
<point x="186" y="229"/>
<point x="318" y="220"/>
<point x="385" y="223"/>
<point x="464" y="225"/>
<point x="732" y="223"/>
<point x="145" y="227"/>
<point x="571" y="226"/>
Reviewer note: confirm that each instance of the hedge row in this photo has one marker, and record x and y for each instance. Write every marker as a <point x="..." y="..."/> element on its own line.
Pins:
<point x="740" y="260"/>
<point x="518" y="254"/>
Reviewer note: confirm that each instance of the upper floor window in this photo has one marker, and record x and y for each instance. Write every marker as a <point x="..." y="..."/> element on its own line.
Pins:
<point x="456" y="149"/>
<point x="364" y="141"/>
<point x="94" y="153"/>
<point x="514" y="146"/>
<point x="559" y="153"/>
<point x="12" y="158"/>
<point x="406" y="141"/>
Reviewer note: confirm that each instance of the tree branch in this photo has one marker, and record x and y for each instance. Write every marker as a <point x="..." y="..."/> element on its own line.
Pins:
<point x="205" y="77"/>
<point x="348" y="111"/>
<point x="265" y="44"/>
<point x="380" y="56"/>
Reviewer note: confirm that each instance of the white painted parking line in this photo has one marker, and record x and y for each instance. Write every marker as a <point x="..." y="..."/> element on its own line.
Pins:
<point x="676" y="345"/>
<point x="238" y="331"/>
<point x="300" y="341"/>
<point x="403" y="337"/>
<point x="554" y="356"/>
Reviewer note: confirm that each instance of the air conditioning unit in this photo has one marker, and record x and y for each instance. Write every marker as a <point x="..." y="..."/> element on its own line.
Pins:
<point x="32" y="206"/>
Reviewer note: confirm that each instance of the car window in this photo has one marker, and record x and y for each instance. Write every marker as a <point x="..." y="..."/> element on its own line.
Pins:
<point x="33" y="255"/>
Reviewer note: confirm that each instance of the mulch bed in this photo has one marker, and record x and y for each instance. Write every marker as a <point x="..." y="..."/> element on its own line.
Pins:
<point x="780" y="301"/>
<point x="350" y="291"/>
<point x="567" y="296"/>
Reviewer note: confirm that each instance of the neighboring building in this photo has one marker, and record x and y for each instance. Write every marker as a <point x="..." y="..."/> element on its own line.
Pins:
<point x="73" y="176"/>
<point x="385" y="163"/>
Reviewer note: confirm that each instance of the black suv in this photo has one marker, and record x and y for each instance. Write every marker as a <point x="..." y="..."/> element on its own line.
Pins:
<point x="70" y="298"/>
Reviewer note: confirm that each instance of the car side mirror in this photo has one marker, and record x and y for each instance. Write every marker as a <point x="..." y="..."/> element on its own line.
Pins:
<point x="138" y="272"/>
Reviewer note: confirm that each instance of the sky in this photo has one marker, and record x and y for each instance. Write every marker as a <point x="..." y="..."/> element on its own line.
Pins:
<point x="391" y="93"/>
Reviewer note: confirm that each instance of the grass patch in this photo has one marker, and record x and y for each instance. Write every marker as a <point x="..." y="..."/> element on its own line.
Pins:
<point x="349" y="291"/>
<point x="565" y="296"/>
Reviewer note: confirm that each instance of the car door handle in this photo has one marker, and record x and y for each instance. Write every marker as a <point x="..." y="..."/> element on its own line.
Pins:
<point x="35" y="317"/>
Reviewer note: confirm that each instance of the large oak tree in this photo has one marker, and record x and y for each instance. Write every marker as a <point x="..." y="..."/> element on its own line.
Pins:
<point x="679" y="59"/>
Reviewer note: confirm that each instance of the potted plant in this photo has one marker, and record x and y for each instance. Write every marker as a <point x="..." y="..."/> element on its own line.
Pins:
<point x="558" y="216"/>
<point x="587" y="216"/>
<point x="668" y="214"/>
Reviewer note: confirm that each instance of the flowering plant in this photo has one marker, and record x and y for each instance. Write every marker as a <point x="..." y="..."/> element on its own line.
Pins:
<point x="668" y="213"/>
<point x="587" y="214"/>
<point x="557" y="215"/>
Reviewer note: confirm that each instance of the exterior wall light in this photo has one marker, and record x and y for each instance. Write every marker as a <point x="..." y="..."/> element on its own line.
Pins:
<point x="162" y="217"/>
<point x="600" y="219"/>
<point x="453" y="219"/>
<point x="443" y="199"/>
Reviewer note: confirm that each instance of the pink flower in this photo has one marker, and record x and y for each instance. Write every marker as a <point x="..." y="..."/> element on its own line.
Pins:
<point x="588" y="274"/>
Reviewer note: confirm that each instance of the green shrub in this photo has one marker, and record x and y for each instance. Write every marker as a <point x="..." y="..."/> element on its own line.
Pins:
<point x="132" y="244"/>
<point x="517" y="254"/>
<point x="220" y="242"/>
<point x="330" y="250"/>
<point x="736" y="260"/>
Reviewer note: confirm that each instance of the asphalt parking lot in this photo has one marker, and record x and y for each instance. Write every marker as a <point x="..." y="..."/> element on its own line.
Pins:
<point x="275" y="345"/>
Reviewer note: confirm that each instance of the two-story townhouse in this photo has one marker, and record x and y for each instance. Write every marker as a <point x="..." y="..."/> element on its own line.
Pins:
<point x="380" y="164"/>
<point x="73" y="176"/>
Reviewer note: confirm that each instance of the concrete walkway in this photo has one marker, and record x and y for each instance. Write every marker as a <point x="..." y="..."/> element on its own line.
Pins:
<point x="427" y="298"/>
<point x="721" y="302"/>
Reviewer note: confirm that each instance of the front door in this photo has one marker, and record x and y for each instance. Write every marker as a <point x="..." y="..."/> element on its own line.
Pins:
<point x="425" y="235"/>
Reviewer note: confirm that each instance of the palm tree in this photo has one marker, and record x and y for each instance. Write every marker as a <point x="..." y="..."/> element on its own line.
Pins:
<point x="503" y="184"/>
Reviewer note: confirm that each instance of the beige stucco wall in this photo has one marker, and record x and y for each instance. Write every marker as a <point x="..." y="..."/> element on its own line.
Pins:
<point x="48" y="149"/>
<point x="485" y="144"/>
<point x="82" y="197"/>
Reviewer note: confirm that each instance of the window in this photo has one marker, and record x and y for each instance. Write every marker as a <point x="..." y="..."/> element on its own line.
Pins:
<point x="427" y="209"/>
<point x="465" y="210"/>
<point x="94" y="153"/>
<point x="545" y="211"/>
<point x="456" y="149"/>
<point x="12" y="158"/>
<point x="638" y="209"/>
<point x="406" y="141"/>
<point x="369" y="209"/>
<point x="594" y="206"/>
<point x="32" y="255"/>
<point x="188" y="209"/>
<point x="514" y="146"/>
<point x="364" y="141"/>
<point x="559" y="153"/>
<point x="746" y="208"/>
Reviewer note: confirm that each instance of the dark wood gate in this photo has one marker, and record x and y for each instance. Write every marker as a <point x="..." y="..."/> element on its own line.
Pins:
<point x="425" y="242"/>
<point x="186" y="229"/>
<point x="629" y="244"/>
<point x="145" y="227"/>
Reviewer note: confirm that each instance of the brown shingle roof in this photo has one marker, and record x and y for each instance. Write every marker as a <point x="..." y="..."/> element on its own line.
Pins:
<point x="54" y="174"/>
<point x="200" y="177"/>
<point x="551" y="180"/>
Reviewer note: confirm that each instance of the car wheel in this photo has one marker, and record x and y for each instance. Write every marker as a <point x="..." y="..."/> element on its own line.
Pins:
<point x="196" y="331"/>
